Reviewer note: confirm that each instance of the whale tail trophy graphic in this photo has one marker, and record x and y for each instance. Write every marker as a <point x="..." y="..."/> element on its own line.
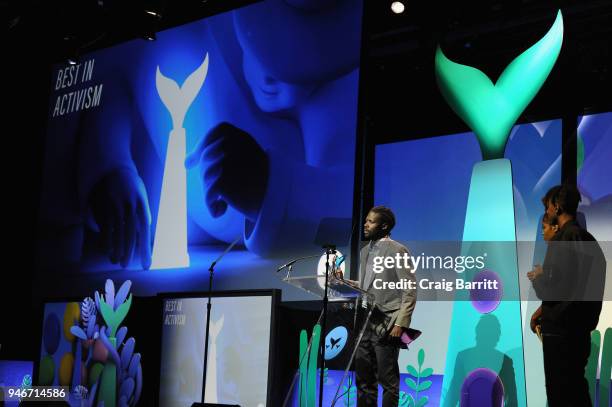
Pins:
<point x="491" y="110"/>
<point x="211" y="373"/>
<point x="170" y="244"/>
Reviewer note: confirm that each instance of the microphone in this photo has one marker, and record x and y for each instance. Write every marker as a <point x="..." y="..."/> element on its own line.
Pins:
<point x="292" y="262"/>
<point x="286" y="265"/>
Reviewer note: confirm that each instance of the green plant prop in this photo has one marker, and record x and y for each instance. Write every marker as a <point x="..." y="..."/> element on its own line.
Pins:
<point x="114" y="371"/>
<point x="350" y="393"/>
<point x="113" y="312"/>
<point x="308" y="367"/>
<point x="114" y="318"/>
<point x="418" y="384"/>
<point x="579" y="153"/>
<point x="591" y="367"/>
<point x="605" y="347"/>
<point x="325" y="375"/>
<point x="303" y="361"/>
<point x="606" y="369"/>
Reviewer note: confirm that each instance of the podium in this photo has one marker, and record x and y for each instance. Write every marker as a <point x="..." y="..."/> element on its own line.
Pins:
<point x="349" y="310"/>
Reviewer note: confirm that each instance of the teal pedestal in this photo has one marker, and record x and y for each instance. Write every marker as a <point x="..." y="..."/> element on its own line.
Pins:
<point x="488" y="337"/>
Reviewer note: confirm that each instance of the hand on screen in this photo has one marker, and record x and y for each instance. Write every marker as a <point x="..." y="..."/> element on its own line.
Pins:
<point x="234" y="170"/>
<point x="121" y="210"/>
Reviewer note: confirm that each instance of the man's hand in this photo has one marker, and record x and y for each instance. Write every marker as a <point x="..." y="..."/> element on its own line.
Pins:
<point x="396" y="332"/>
<point x="535" y="319"/>
<point x="121" y="211"/>
<point x="352" y="283"/>
<point x="535" y="273"/>
<point x="233" y="169"/>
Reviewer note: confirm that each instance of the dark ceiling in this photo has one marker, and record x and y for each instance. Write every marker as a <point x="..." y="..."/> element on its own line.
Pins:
<point x="402" y="99"/>
<point x="399" y="95"/>
<point x="66" y="27"/>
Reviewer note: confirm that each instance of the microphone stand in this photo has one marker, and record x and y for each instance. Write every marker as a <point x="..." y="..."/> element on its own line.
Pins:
<point x="211" y="269"/>
<point x="329" y="249"/>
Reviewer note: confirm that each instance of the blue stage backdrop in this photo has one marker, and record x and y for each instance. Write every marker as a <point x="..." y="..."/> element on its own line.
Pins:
<point x="239" y="126"/>
<point x="593" y="175"/>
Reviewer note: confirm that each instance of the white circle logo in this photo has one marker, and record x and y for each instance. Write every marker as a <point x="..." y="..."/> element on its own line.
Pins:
<point x="335" y="342"/>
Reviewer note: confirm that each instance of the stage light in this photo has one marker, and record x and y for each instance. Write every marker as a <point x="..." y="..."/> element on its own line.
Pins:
<point x="13" y="22"/>
<point x="397" y="7"/>
<point x="71" y="50"/>
<point x="150" y="24"/>
<point x="153" y="13"/>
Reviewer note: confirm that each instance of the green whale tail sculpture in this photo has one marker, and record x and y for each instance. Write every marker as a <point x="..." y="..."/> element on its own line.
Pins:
<point x="491" y="110"/>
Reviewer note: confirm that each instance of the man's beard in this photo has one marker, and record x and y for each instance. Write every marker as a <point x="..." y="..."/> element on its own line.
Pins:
<point x="376" y="235"/>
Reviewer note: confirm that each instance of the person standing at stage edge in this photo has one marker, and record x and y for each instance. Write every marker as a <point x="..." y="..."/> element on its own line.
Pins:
<point x="570" y="284"/>
<point x="376" y="359"/>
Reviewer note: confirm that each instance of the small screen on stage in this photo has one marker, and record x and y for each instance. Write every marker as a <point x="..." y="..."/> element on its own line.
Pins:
<point x="15" y="373"/>
<point x="58" y="344"/>
<point x="238" y="352"/>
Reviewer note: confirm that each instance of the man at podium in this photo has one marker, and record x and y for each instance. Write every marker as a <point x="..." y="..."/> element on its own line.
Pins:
<point x="376" y="358"/>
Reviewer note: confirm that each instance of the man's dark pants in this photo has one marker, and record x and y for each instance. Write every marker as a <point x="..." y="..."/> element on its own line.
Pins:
<point x="565" y="360"/>
<point x="376" y="362"/>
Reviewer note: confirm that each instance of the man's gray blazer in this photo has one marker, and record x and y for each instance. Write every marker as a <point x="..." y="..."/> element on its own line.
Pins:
<point x="397" y="305"/>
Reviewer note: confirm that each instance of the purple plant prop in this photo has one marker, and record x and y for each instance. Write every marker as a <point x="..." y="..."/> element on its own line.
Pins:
<point x="130" y="373"/>
<point x="80" y="392"/>
<point x="127" y="363"/>
<point x="87" y="334"/>
<point x="88" y="311"/>
<point x="129" y="369"/>
<point x="90" y="332"/>
<point x="121" y="334"/>
<point x="109" y="346"/>
<point x="111" y="308"/>
<point x="76" y="370"/>
<point x="92" y="393"/>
